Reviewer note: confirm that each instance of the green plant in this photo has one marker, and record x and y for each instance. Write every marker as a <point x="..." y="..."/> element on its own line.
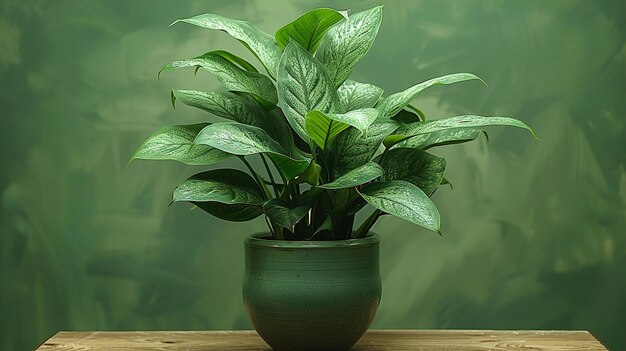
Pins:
<point x="335" y="144"/>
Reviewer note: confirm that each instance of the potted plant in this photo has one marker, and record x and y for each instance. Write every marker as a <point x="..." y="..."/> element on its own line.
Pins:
<point x="330" y="146"/>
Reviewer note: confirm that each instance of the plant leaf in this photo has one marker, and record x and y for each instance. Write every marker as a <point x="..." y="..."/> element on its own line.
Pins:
<point x="303" y="86"/>
<point x="459" y="122"/>
<point x="176" y="143"/>
<point x="236" y="60"/>
<point x="311" y="175"/>
<point x="360" y="119"/>
<point x="308" y="29"/>
<point x="404" y="200"/>
<point x="354" y="95"/>
<point x="242" y="109"/>
<point x="238" y="139"/>
<point x="355" y="177"/>
<point x="345" y="44"/>
<point x="327" y="225"/>
<point x="392" y="104"/>
<point x="227" y="186"/>
<point x="355" y="149"/>
<point x="241" y="139"/>
<point x="285" y="214"/>
<point x="415" y="166"/>
<point x="441" y="138"/>
<point x="406" y="116"/>
<point x="261" y="44"/>
<point x="322" y="129"/>
<point x="231" y="76"/>
<point x="233" y="213"/>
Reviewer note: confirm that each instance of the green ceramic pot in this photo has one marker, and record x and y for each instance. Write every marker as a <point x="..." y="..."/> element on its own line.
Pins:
<point x="311" y="295"/>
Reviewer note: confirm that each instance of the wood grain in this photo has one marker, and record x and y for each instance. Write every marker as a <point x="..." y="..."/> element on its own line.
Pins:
<point x="374" y="340"/>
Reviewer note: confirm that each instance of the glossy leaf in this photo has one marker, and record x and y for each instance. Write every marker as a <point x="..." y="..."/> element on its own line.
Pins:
<point x="303" y="86"/>
<point x="227" y="186"/>
<point x="176" y="143"/>
<point x="311" y="175"/>
<point x="441" y="138"/>
<point x="309" y="29"/>
<point x="354" y="149"/>
<point x="404" y="200"/>
<point x="241" y="139"/>
<point x="460" y="122"/>
<point x="415" y="166"/>
<point x="392" y="104"/>
<point x="322" y="129"/>
<point x="360" y="119"/>
<point x="233" y="213"/>
<point x="345" y="44"/>
<point x="410" y="114"/>
<point x="242" y="109"/>
<point x="354" y="95"/>
<point x="231" y="76"/>
<point x="261" y="44"/>
<point x="285" y="214"/>
<point x="355" y="177"/>
<point x="326" y="225"/>
<point x="236" y="60"/>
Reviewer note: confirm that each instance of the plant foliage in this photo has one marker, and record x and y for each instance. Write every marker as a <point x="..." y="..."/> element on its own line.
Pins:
<point x="329" y="145"/>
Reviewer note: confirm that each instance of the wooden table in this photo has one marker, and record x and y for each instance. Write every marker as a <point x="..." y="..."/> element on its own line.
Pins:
<point x="374" y="340"/>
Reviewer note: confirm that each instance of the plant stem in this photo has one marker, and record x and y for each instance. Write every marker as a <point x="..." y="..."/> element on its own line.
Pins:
<point x="382" y="157"/>
<point x="269" y="173"/>
<point x="257" y="177"/>
<point x="367" y="225"/>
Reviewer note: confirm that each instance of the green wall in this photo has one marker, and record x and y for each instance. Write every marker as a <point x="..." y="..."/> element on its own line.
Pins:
<point x="534" y="232"/>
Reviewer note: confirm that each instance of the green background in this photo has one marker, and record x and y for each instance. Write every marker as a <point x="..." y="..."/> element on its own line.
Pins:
<point x="534" y="232"/>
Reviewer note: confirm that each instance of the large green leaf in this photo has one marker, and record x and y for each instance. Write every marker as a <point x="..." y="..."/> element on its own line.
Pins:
<point x="459" y="122"/>
<point x="440" y="138"/>
<point x="233" y="213"/>
<point x="176" y="143"/>
<point x="285" y="214"/>
<point x="303" y="86"/>
<point x="354" y="149"/>
<point x="242" y="109"/>
<point x="355" y="177"/>
<point x="231" y="76"/>
<point x="309" y="29"/>
<point x="404" y="200"/>
<point x="345" y="44"/>
<point x="238" y="139"/>
<point x="322" y="129"/>
<point x="241" y="139"/>
<point x="354" y="95"/>
<point x="415" y="166"/>
<point x="360" y="119"/>
<point x="227" y="186"/>
<point x="392" y="104"/>
<point x="409" y="114"/>
<point x="261" y="44"/>
<point x="236" y="60"/>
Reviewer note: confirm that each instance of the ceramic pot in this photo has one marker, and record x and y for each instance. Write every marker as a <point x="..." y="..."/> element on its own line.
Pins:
<point x="311" y="295"/>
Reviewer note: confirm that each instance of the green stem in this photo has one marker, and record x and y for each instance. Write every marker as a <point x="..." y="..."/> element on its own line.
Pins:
<point x="367" y="225"/>
<point x="269" y="172"/>
<point x="257" y="177"/>
<point x="382" y="157"/>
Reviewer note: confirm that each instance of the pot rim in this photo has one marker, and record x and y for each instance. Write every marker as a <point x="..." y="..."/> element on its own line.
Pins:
<point x="257" y="240"/>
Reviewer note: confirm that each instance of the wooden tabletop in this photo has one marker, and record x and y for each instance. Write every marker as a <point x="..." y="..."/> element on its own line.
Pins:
<point x="374" y="340"/>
